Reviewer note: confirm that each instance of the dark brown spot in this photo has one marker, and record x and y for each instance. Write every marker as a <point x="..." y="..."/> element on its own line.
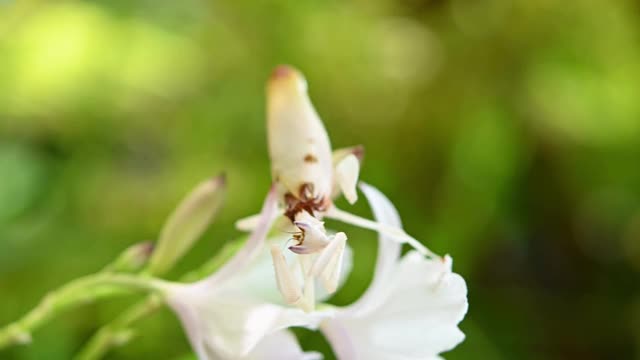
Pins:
<point x="305" y="192"/>
<point x="295" y="205"/>
<point x="309" y="158"/>
<point x="304" y="202"/>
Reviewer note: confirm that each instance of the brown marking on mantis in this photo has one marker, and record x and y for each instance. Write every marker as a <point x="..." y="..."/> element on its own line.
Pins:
<point x="310" y="158"/>
<point x="305" y="201"/>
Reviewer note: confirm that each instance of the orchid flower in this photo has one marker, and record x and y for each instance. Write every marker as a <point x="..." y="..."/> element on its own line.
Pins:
<point x="234" y="313"/>
<point x="307" y="177"/>
<point x="411" y="309"/>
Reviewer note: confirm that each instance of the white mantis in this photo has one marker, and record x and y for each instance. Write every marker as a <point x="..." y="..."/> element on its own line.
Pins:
<point x="308" y="176"/>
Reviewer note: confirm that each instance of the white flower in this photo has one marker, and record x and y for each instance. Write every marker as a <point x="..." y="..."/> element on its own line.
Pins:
<point x="231" y="313"/>
<point x="281" y="345"/>
<point x="411" y="309"/>
<point x="307" y="176"/>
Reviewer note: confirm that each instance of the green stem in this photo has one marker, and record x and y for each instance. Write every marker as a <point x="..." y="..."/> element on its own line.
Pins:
<point x="118" y="332"/>
<point x="80" y="291"/>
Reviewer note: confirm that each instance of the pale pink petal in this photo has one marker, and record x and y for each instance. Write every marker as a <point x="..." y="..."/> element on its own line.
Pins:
<point x="254" y="244"/>
<point x="189" y="318"/>
<point x="341" y="340"/>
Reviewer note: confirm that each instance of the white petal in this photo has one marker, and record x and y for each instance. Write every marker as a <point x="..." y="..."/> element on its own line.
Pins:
<point x="229" y="325"/>
<point x="281" y="345"/>
<point x="190" y="322"/>
<point x="249" y="223"/>
<point x="254" y="244"/>
<point x="223" y="317"/>
<point x="228" y="318"/>
<point x="341" y="340"/>
<point x="347" y="172"/>
<point x="421" y="317"/>
<point x="417" y="320"/>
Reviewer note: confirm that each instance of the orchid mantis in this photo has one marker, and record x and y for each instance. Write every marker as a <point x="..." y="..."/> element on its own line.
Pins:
<point x="308" y="176"/>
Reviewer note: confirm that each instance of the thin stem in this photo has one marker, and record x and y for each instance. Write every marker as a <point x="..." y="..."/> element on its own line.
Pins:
<point x="80" y="291"/>
<point x="135" y="282"/>
<point x="393" y="233"/>
<point x="117" y="332"/>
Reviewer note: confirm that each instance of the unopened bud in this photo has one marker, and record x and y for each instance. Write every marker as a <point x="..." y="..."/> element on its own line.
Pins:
<point x="133" y="258"/>
<point x="186" y="224"/>
<point x="123" y="337"/>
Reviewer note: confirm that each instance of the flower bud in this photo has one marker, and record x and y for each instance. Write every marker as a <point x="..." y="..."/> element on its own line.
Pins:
<point x="187" y="223"/>
<point x="132" y="259"/>
<point x="299" y="147"/>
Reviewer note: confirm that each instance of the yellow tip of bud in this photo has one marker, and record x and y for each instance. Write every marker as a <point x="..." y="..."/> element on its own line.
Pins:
<point x="286" y="80"/>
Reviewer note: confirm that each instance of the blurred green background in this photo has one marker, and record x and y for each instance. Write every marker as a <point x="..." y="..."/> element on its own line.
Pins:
<point x="506" y="132"/>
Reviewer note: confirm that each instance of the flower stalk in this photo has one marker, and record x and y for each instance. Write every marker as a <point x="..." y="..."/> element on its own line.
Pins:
<point x="180" y="232"/>
<point x="119" y="331"/>
<point x="77" y="292"/>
